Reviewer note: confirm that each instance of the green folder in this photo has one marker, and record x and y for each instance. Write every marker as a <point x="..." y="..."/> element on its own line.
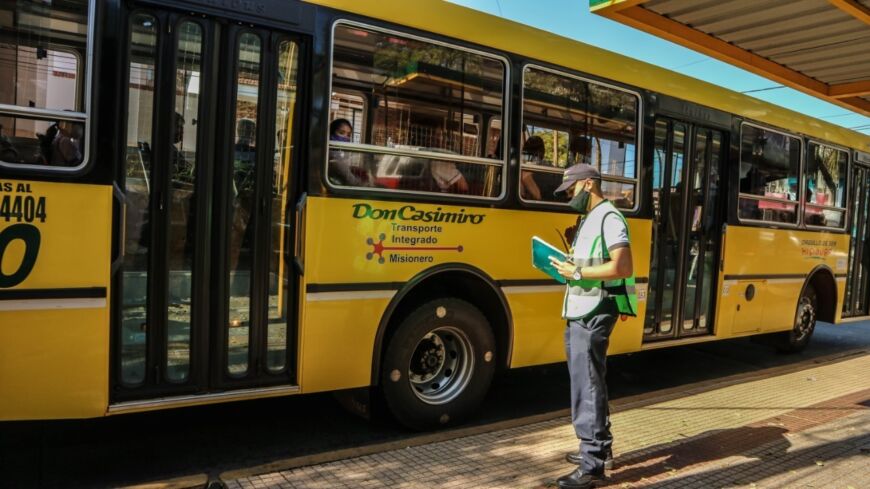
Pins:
<point x="541" y="253"/>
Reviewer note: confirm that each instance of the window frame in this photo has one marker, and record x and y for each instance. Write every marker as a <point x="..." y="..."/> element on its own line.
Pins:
<point x="62" y="115"/>
<point x="504" y="162"/>
<point x="638" y="181"/>
<point x="799" y="203"/>
<point x="804" y="176"/>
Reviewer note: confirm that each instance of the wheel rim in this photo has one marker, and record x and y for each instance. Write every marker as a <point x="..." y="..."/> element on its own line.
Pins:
<point x="441" y="365"/>
<point x="806" y="319"/>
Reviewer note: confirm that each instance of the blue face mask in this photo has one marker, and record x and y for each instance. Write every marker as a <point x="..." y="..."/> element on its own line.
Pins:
<point x="343" y="139"/>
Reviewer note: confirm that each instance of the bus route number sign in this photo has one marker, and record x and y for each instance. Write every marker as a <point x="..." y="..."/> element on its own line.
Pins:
<point x="21" y="209"/>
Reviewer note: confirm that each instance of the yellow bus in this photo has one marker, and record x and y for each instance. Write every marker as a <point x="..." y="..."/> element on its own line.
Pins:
<point x="205" y="201"/>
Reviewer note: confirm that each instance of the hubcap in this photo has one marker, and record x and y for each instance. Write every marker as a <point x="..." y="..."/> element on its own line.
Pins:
<point x="806" y="319"/>
<point x="441" y="365"/>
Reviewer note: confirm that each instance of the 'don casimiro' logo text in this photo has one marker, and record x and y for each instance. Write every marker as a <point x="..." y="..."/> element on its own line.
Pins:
<point x="419" y="240"/>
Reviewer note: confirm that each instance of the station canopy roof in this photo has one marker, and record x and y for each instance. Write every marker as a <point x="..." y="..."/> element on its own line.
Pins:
<point x="820" y="47"/>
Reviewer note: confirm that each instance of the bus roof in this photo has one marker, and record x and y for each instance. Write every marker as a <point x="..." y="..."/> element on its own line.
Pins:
<point x="451" y="20"/>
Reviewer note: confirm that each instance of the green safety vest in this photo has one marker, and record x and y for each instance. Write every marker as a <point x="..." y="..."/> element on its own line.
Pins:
<point x="583" y="297"/>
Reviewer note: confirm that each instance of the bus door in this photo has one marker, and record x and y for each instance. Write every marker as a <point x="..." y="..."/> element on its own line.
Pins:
<point x="205" y="292"/>
<point x="857" y="299"/>
<point x="687" y="169"/>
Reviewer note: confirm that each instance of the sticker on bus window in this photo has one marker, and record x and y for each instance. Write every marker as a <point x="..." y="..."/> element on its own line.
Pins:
<point x="640" y="290"/>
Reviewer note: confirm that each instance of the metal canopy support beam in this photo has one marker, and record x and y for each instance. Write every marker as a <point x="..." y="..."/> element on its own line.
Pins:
<point x="615" y="5"/>
<point x="856" y="103"/>
<point x="851" y="89"/>
<point x="854" y="9"/>
<point x="847" y="95"/>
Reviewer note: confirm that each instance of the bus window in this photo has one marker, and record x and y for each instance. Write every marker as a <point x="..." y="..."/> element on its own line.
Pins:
<point x="282" y="186"/>
<point x="42" y="92"/>
<point x="826" y="170"/>
<point x="247" y="92"/>
<point x="183" y="199"/>
<point x="769" y="173"/>
<point x="567" y="120"/>
<point x="429" y="103"/>
<point x="137" y="188"/>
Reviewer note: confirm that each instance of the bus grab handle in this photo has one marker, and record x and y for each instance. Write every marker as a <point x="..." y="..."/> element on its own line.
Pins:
<point x="299" y="245"/>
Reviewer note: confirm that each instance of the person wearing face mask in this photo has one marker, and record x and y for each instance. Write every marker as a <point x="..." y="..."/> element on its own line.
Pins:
<point x="600" y="288"/>
<point x="343" y="167"/>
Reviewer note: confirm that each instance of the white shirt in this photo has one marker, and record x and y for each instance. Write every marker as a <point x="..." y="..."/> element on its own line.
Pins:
<point x="615" y="232"/>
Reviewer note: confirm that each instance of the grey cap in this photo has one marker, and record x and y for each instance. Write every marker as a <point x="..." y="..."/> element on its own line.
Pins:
<point x="575" y="173"/>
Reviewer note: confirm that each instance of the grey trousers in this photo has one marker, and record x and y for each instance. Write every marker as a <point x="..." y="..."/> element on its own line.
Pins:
<point x="586" y="343"/>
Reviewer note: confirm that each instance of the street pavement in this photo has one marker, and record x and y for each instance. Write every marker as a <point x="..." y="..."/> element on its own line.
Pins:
<point x="801" y="429"/>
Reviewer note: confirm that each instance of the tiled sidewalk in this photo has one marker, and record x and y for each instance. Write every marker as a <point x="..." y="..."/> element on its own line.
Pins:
<point x="768" y="432"/>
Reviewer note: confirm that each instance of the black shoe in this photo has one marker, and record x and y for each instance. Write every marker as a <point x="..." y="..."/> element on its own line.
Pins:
<point x="579" y="480"/>
<point x="576" y="458"/>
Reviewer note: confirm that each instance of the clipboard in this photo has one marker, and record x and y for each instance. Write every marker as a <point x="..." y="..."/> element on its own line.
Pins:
<point x="541" y="253"/>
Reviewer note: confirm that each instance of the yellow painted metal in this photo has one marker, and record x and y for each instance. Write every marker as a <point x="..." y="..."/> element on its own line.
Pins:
<point x="54" y="362"/>
<point x="349" y="233"/>
<point x="772" y="261"/>
<point x="337" y="342"/>
<point x="469" y="25"/>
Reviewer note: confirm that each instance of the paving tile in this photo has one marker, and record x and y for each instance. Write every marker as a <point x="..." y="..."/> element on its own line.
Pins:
<point x="768" y="432"/>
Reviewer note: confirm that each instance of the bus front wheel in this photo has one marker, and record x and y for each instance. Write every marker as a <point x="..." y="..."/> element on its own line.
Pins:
<point x="798" y="337"/>
<point x="438" y="364"/>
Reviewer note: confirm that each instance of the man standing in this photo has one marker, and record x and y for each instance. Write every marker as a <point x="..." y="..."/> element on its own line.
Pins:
<point x="597" y="293"/>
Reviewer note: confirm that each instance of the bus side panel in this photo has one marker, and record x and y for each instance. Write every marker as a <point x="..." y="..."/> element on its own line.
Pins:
<point x="771" y="262"/>
<point x="54" y="320"/>
<point x="337" y="342"/>
<point x="371" y="248"/>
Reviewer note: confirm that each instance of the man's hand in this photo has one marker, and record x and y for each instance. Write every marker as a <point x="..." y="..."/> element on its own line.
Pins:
<point x="565" y="269"/>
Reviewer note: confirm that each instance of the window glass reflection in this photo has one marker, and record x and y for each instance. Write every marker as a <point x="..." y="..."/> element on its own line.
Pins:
<point x="769" y="175"/>
<point x="568" y="121"/>
<point x="426" y="104"/>
<point x="279" y="269"/>
<point x="183" y="200"/>
<point x="826" y="172"/>
<point x="137" y="188"/>
<point x="243" y="180"/>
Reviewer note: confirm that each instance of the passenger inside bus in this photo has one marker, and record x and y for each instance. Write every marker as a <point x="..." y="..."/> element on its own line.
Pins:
<point x="8" y="153"/>
<point x="245" y="153"/>
<point x="533" y="153"/>
<point x="448" y="178"/>
<point x="61" y="144"/>
<point x="345" y="167"/>
<point x="182" y="170"/>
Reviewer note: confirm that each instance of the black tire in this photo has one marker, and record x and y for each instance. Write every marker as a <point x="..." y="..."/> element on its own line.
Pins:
<point x="798" y="337"/>
<point x="438" y="364"/>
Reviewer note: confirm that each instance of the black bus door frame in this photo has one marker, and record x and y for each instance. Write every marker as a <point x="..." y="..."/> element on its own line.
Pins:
<point x="207" y="361"/>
